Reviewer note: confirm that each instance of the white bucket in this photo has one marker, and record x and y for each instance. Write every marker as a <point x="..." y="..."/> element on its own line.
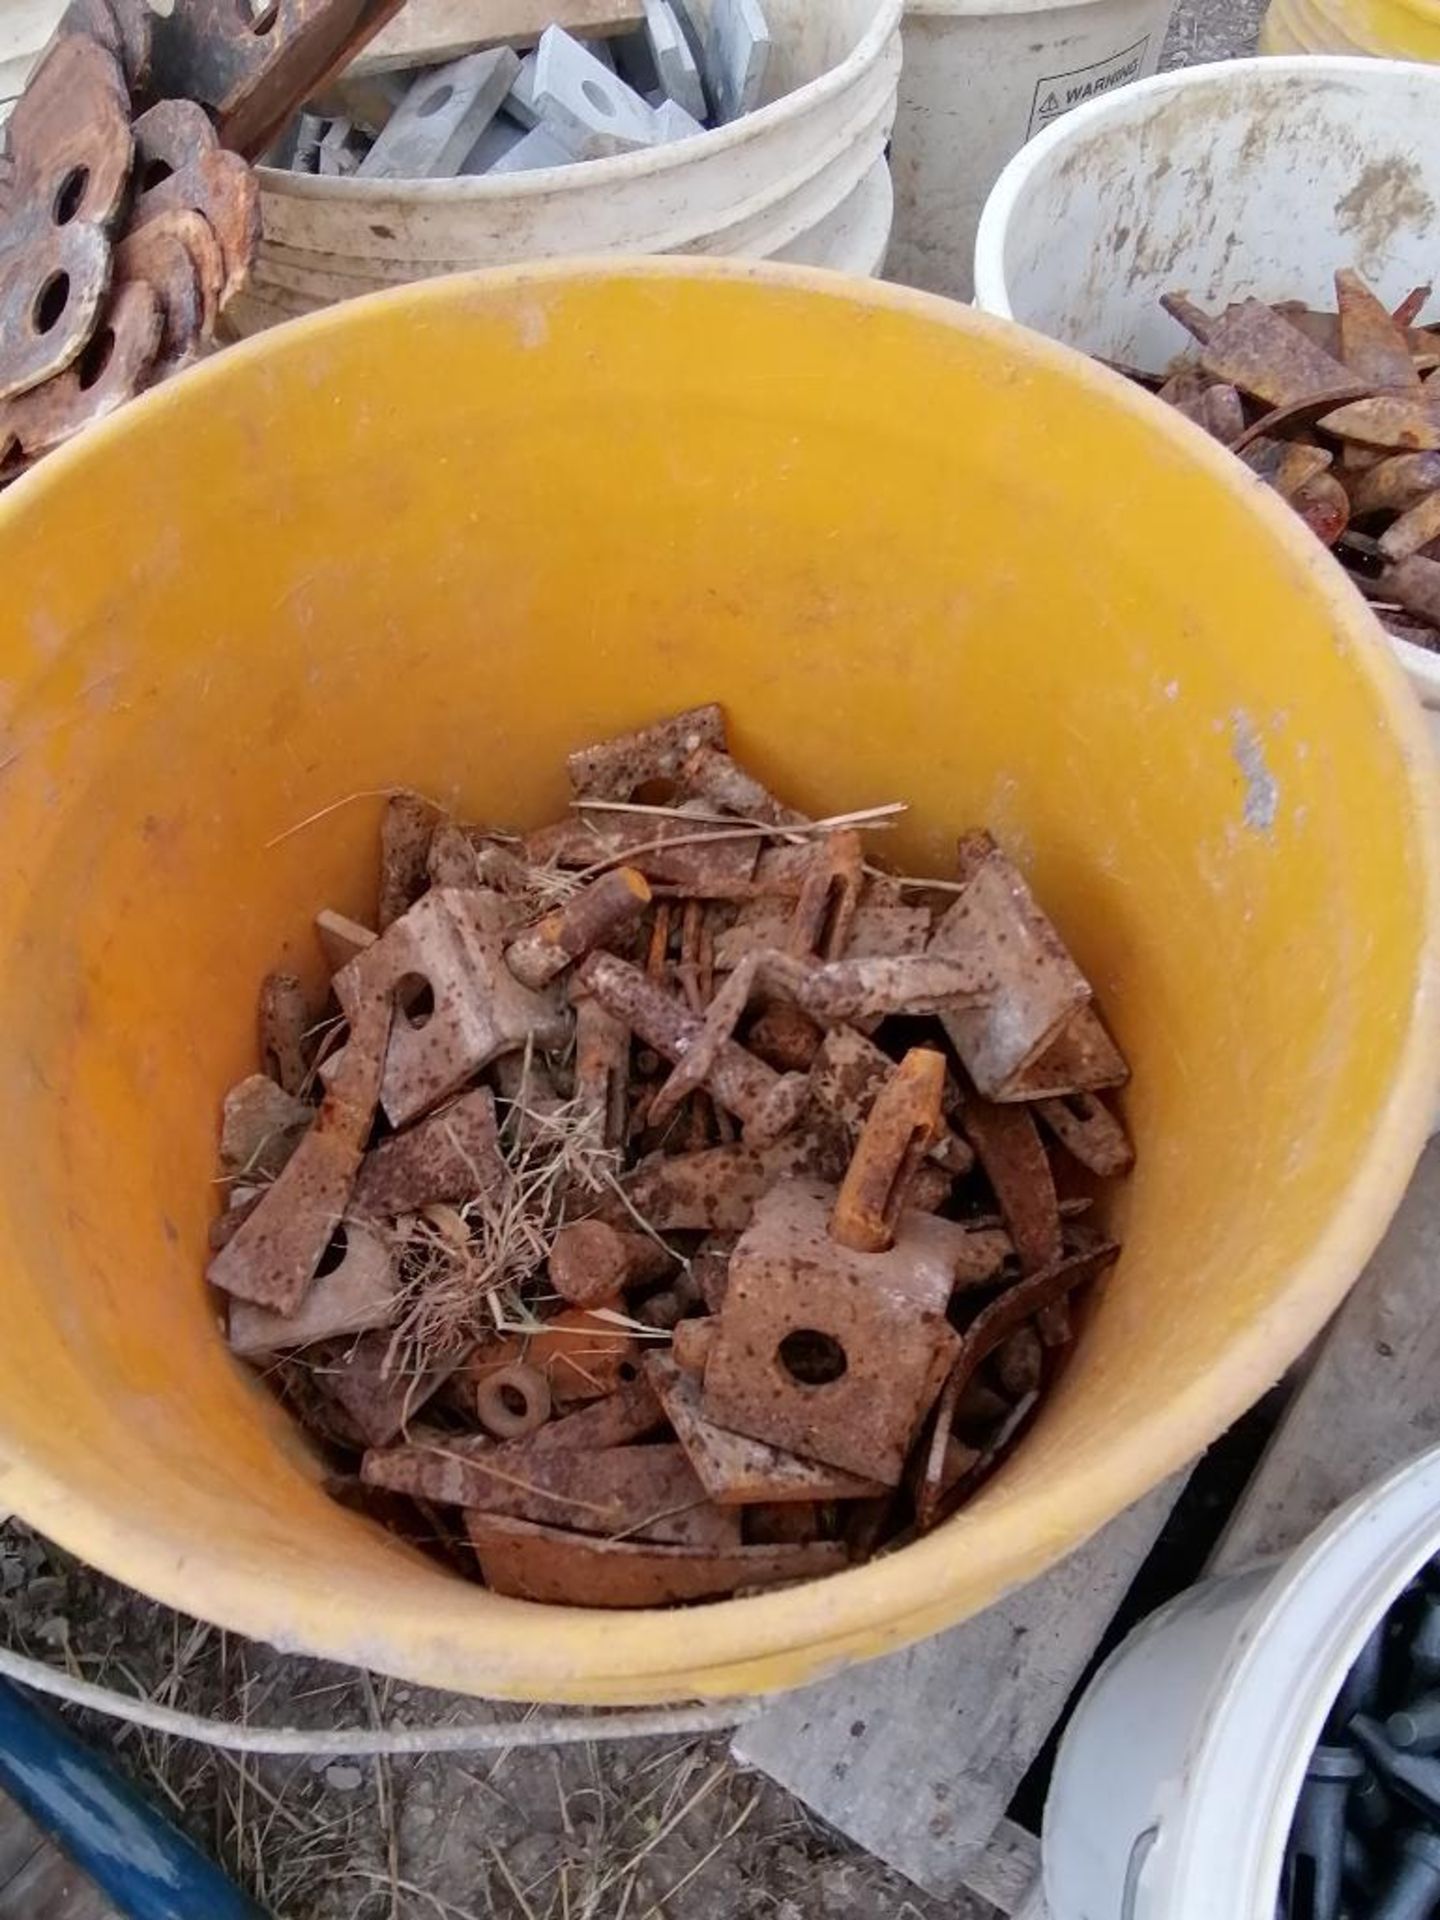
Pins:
<point x="1177" y="1778"/>
<point x="761" y="187"/>
<point x="981" y="77"/>
<point x="856" y="237"/>
<point x="1248" y="177"/>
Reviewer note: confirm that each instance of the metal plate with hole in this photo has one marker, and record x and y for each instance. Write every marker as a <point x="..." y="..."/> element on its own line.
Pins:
<point x="179" y="164"/>
<point x="70" y="148"/>
<point x="830" y="1353"/>
<point x="111" y="369"/>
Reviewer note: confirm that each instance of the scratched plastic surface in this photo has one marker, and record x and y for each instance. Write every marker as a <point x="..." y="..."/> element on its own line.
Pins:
<point x="443" y="537"/>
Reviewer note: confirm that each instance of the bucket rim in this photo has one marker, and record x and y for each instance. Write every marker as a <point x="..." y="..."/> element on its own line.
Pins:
<point x="781" y="1639"/>
<point x="1036" y="157"/>
<point x="712" y="143"/>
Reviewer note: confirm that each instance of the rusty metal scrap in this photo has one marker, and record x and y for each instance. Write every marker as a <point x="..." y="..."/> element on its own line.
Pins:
<point x="828" y="1352"/>
<point x="529" y="1562"/>
<point x="617" y="769"/>
<point x="261" y="1125"/>
<point x="734" y="1470"/>
<point x="355" y="1289"/>
<point x="901" y="1127"/>
<point x="458" y="1004"/>
<point x="1399" y="421"/>
<point x="1085" y="1125"/>
<point x="1036" y="987"/>
<point x="1372" y="345"/>
<point x="251" y="70"/>
<point x="368" y="1385"/>
<point x="767" y="1103"/>
<point x="123" y="233"/>
<point x="715" y="1190"/>
<point x="602" y="1069"/>
<point x="1258" y="350"/>
<point x="648" y="1493"/>
<point x="110" y="370"/>
<point x="71" y="148"/>
<point x="181" y="166"/>
<point x="452" y="1155"/>
<point x="690" y="1343"/>
<point x="1412" y="530"/>
<point x="493" y="1221"/>
<point x="1415" y="585"/>
<point x="122" y="27"/>
<point x="591" y="919"/>
<point x="407" y="827"/>
<point x="273" y="1257"/>
<point x="709" y="774"/>
<point x="582" y="1353"/>
<point x="1010" y="1151"/>
<point x="284" y="1018"/>
<point x="631" y="1412"/>
<point x="513" y="1401"/>
<point x="1217" y="408"/>
<point x="177" y="256"/>
<point x="847" y="1074"/>
<point x="1340" y="419"/>
<point x="829" y="896"/>
<point x="591" y="1262"/>
<point x="1395" y="484"/>
<point x="701" y="859"/>
<point x="785" y="1038"/>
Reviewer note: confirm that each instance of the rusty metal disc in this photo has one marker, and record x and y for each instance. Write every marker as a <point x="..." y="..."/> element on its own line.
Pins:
<point x="179" y="165"/>
<point x="110" y="370"/>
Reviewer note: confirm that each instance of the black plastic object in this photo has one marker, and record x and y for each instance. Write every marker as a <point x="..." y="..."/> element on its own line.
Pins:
<point x="1413" y="1890"/>
<point x="1416" y="1776"/>
<point x="1416" y="1725"/>
<point x="1315" y="1854"/>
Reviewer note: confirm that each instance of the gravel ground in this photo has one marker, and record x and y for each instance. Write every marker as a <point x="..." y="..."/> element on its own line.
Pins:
<point x="1212" y="30"/>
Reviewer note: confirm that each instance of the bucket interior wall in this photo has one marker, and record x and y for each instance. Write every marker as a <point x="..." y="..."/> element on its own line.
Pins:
<point x="1249" y="178"/>
<point x="445" y="536"/>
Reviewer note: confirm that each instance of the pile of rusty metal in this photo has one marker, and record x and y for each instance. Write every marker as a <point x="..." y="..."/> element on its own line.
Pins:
<point x="129" y="216"/>
<point x="1335" y="411"/>
<point x="691" y="1205"/>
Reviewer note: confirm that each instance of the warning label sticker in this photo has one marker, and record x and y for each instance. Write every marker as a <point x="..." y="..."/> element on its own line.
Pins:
<point x="1057" y="93"/>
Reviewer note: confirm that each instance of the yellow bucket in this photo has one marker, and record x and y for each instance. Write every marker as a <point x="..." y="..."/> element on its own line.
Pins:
<point x="443" y="535"/>
<point x="1383" y="29"/>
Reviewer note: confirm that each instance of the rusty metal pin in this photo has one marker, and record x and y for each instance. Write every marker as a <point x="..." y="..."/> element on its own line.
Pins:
<point x="284" y="1021"/>
<point x="902" y="1126"/>
<point x="829" y="896"/>
<point x="602" y="1069"/>
<point x="591" y="1262"/>
<point x="766" y="1102"/>
<point x="593" y="917"/>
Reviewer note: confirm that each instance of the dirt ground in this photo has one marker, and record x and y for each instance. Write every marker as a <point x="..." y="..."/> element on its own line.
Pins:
<point x="635" y="1830"/>
<point x="627" y="1830"/>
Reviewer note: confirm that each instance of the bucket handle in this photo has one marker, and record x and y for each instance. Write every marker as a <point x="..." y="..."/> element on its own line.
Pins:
<point x="1139" y="1853"/>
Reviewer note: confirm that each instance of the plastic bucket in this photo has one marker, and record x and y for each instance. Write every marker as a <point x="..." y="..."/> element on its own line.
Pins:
<point x="980" y="78"/>
<point x="1177" y="1777"/>
<point x="856" y="237"/>
<point x="443" y="535"/>
<point x="1383" y="29"/>
<point x="1248" y="177"/>
<point x="768" y="185"/>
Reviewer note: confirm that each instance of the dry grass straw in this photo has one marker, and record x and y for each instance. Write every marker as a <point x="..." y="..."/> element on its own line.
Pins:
<point x="460" y="1286"/>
